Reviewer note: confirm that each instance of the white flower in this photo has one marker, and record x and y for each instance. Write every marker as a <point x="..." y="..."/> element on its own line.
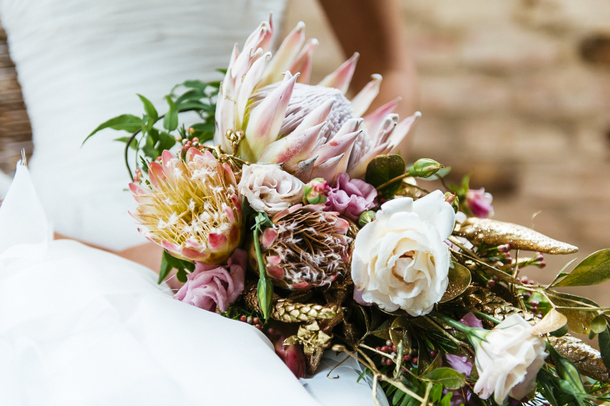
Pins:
<point x="269" y="189"/>
<point x="400" y="260"/>
<point x="508" y="360"/>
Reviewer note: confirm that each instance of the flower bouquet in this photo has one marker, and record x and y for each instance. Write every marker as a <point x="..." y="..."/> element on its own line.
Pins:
<point x="286" y="209"/>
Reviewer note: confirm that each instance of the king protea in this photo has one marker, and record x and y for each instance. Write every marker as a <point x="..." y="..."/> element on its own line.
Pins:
<point x="312" y="130"/>
<point x="192" y="208"/>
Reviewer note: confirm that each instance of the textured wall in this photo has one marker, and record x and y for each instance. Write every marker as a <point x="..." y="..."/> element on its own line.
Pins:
<point x="518" y="93"/>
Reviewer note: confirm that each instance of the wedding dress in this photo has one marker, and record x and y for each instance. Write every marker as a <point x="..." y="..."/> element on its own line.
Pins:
<point x="80" y="326"/>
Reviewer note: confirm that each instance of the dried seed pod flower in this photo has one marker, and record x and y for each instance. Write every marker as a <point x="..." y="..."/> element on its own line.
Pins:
<point x="192" y="208"/>
<point x="306" y="247"/>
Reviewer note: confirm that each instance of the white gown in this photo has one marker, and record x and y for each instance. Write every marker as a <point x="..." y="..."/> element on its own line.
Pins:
<point x="79" y="326"/>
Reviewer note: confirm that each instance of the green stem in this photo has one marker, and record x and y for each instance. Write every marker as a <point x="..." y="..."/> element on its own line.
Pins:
<point x="264" y="294"/>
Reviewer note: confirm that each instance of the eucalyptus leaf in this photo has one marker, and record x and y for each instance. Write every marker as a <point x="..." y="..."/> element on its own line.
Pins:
<point x="603" y="339"/>
<point x="384" y="168"/>
<point x="150" y="110"/>
<point x="124" y="122"/>
<point x="593" y="270"/>
<point x="459" y="280"/>
<point x="448" y="377"/>
<point x="170" y="121"/>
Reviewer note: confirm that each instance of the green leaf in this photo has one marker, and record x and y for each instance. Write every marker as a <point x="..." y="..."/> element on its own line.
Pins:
<point x="195" y="105"/>
<point x="265" y="287"/>
<point x="181" y="276"/>
<point x="448" y="377"/>
<point x="598" y="325"/>
<point x="150" y="110"/>
<point x="603" y="339"/>
<point x="436" y="393"/>
<point x="170" y="121"/>
<point x="193" y="94"/>
<point x="165" y="267"/>
<point x="384" y="168"/>
<point x="446" y="401"/>
<point x="166" y="141"/>
<point x="125" y="122"/>
<point x="572" y="381"/>
<point x="592" y="270"/>
<point x="133" y="143"/>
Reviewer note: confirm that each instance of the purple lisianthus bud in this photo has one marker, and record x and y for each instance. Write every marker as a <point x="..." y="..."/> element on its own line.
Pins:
<point x="215" y="287"/>
<point x="471" y="320"/>
<point x="479" y="203"/>
<point x="315" y="191"/>
<point x="351" y="197"/>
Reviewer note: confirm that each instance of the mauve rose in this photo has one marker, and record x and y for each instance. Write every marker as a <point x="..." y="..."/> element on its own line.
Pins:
<point x="479" y="203"/>
<point x="214" y="287"/>
<point x="351" y="197"/>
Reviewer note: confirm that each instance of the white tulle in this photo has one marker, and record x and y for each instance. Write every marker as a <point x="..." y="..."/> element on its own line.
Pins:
<point x="81" y="62"/>
<point x="80" y="326"/>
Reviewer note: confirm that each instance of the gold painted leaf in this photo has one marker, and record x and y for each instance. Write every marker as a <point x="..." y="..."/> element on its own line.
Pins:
<point x="494" y="233"/>
<point x="459" y="280"/>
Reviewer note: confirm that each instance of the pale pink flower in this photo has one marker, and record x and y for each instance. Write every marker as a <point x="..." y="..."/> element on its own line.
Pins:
<point x="212" y="287"/>
<point x="191" y="207"/>
<point x="508" y="359"/>
<point x="269" y="189"/>
<point x="313" y="131"/>
<point x="351" y="197"/>
<point x="479" y="203"/>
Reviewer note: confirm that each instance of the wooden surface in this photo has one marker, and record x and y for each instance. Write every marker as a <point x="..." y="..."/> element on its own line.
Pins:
<point x="15" y="130"/>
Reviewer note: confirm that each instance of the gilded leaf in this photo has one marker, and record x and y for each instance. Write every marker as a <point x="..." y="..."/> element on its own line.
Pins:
<point x="494" y="233"/>
<point x="579" y="318"/>
<point x="593" y="270"/>
<point x="459" y="280"/>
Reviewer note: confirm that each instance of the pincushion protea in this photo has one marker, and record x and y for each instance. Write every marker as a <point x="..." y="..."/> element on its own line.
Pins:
<point x="306" y="247"/>
<point x="314" y="131"/>
<point x="192" y="208"/>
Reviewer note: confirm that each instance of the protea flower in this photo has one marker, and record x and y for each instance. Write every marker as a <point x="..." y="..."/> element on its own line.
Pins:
<point x="314" y="131"/>
<point x="192" y="208"/>
<point x="306" y="247"/>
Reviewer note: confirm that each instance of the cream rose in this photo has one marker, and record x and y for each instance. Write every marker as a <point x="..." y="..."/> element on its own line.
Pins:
<point x="508" y="360"/>
<point x="269" y="189"/>
<point x="400" y="260"/>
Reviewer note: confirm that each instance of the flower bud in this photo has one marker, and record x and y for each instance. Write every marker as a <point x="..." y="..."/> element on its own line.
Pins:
<point x="424" y="168"/>
<point x="453" y="200"/>
<point x="315" y="191"/>
<point x="366" y="217"/>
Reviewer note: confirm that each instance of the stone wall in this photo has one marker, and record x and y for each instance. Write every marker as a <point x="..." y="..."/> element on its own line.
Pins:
<point x="518" y="93"/>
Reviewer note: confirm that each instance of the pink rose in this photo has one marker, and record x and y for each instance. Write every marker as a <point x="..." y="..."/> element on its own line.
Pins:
<point x="479" y="203"/>
<point x="350" y="197"/>
<point x="215" y="287"/>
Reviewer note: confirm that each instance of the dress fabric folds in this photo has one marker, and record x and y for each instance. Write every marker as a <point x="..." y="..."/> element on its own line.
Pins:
<point x="81" y="326"/>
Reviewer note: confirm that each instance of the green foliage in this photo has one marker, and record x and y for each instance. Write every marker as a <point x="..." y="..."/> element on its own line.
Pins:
<point x="264" y="287"/>
<point x="604" y="346"/>
<point x="593" y="270"/>
<point x="124" y="122"/>
<point x="448" y="377"/>
<point x="169" y="262"/>
<point x="382" y="170"/>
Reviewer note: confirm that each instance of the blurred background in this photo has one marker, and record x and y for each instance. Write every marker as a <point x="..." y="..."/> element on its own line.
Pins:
<point x="515" y="92"/>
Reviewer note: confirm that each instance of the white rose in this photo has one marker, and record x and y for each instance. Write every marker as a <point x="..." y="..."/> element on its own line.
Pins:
<point x="269" y="189"/>
<point x="400" y="260"/>
<point x="508" y="360"/>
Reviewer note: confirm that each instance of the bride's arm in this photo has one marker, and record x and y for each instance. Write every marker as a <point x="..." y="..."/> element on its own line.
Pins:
<point x="375" y="29"/>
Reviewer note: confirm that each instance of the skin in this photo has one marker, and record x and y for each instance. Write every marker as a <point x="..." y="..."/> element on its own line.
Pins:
<point x="375" y="30"/>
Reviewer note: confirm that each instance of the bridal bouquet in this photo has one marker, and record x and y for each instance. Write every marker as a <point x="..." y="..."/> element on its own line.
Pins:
<point x="286" y="208"/>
